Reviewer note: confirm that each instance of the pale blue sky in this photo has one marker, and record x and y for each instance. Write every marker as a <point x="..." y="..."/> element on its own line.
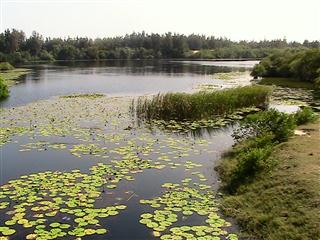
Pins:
<point x="235" y="19"/>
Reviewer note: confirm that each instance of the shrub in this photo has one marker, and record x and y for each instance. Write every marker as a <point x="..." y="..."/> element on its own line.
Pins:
<point x="304" y="116"/>
<point x="4" y="66"/>
<point x="4" y="92"/>
<point x="281" y="125"/>
<point x="302" y="64"/>
<point x="250" y="163"/>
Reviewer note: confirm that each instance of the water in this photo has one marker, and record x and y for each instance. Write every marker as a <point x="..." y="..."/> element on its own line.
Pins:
<point x="116" y="78"/>
<point x="103" y="122"/>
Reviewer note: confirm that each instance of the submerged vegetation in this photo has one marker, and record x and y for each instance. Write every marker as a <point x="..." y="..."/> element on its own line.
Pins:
<point x="303" y="64"/>
<point x="261" y="190"/>
<point x="201" y="105"/>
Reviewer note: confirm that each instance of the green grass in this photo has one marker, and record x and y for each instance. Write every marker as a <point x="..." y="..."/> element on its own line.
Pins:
<point x="286" y="82"/>
<point x="11" y="76"/>
<point x="277" y="194"/>
<point x="4" y="92"/>
<point x="4" y="66"/>
<point x="8" y="76"/>
<point x="201" y="105"/>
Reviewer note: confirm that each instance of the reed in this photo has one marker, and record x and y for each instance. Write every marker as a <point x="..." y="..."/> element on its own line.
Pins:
<point x="201" y="105"/>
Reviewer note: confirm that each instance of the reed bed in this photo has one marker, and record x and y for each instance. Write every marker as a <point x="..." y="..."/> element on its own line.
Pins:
<point x="201" y="105"/>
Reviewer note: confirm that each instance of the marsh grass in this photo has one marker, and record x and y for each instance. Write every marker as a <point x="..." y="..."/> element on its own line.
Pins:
<point x="201" y="105"/>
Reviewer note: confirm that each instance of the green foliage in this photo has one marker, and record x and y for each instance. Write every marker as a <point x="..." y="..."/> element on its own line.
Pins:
<point x="15" y="47"/>
<point x="256" y="136"/>
<point x="281" y="125"/>
<point x="303" y="64"/>
<point x="45" y="55"/>
<point x="249" y="164"/>
<point x="304" y="116"/>
<point x="201" y="105"/>
<point x="280" y="201"/>
<point x="4" y="91"/>
<point x="4" y="66"/>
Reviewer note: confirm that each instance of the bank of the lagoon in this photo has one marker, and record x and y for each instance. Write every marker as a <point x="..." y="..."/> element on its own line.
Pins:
<point x="81" y="166"/>
<point x="77" y="163"/>
<point x="8" y="77"/>
<point x="281" y="201"/>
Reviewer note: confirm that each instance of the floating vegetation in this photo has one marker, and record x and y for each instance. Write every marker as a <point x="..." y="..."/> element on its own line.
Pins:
<point x="186" y="126"/>
<point x="180" y="202"/>
<point x="296" y="96"/>
<point x="35" y="202"/>
<point x="6" y="133"/>
<point x="230" y="75"/>
<point x="79" y="204"/>
<point x="200" y="105"/>
<point x="84" y="95"/>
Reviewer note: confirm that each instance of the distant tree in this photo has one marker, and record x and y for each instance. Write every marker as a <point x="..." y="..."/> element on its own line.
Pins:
<point x="67" y="52"/>
<point x="34" y="43"/>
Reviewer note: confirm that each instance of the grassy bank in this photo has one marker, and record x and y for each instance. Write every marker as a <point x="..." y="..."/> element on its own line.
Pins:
<point x="201" y="105"/>
<point x="8" y="77"/>
<point x="271" y="179"/>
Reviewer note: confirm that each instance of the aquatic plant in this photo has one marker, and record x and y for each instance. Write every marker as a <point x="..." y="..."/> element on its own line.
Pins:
<point x="36" y="201"/>
<point x="84" y="95"/>
<point x="201" y="105"/>
<point x="183" y="201"/>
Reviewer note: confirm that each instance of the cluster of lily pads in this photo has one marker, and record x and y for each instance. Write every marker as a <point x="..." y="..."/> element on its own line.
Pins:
<point x="186" y="126"/>
<point x="50" y="205"/>
<point x="296" y="96"/>
<point x="72" y="205"/>
<point x="181" y="202"/>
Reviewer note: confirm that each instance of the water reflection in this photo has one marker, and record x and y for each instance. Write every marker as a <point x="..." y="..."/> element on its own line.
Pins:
<point x="114" y="78"/>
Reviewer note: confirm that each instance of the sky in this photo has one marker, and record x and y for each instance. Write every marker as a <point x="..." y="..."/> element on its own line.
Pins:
<point x="295" y="20"/>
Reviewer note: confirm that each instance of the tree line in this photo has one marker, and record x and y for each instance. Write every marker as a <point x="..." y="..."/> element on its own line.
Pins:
<point x="302" y="64"/>
<point x="15" y="47"/>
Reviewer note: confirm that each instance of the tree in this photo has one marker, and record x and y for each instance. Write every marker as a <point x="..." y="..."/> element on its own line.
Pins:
<point x="34" y="43"/>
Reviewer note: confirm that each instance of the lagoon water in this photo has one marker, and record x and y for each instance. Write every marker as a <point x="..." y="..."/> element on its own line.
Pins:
<point x="116" y="78"/>
<point x="102" y="124"/>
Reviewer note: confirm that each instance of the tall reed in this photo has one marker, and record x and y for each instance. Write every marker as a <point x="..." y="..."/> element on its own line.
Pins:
<point x="201" y="105"/>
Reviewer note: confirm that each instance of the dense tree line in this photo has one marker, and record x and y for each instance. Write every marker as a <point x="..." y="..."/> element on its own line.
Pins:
<point x="16" y="47"/>
<point x="303" y="64"/>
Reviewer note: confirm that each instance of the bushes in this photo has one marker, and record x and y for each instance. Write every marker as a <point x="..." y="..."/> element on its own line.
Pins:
<point x="4" y="66"/>
<point x="201" y="105"/>
<point x="256" y="136"/>
<point x="304" y="116"/>
<point x="250" y="163"/>
<point x="303" y="64"/>
<point x="281" y="125"/>
<point x="4" y="92"/>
